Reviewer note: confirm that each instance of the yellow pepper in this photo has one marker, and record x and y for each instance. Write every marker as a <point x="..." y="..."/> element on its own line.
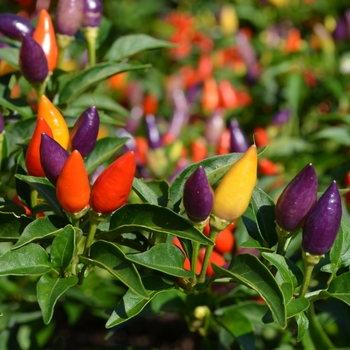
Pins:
<point x="55" y="120"/>
<point x="232" y="196"/>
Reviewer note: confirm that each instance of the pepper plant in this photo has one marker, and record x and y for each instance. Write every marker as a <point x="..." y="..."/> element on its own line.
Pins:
<point x="78" y="205"/>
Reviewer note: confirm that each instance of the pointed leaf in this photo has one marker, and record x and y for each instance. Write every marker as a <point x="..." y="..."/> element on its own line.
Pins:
<point x="105" y="148"/>
<point x="63" y="248"/>
<point x="145" y="193"/>
<point x="29" y="260"/>
<point x="12" y="226"/>
<point x="163" y="257"/>
<point x="339" y="288"/>
<point x="303" y="325"/>
<point x="242" y="329"/>
<point x="129" y="45"/>
<point x="49" y="290"/>
<point x="16" y="105"/>
<point x="10" y="55"/>
<point x="91" y="76"/>
<point x="46" y="190"/>
<point x="152" y="218"/>
<point x="249" y="270"/>
<point x="41" y="228"/>
<point x="111" y="258"/>
<point x="132" y="304"/>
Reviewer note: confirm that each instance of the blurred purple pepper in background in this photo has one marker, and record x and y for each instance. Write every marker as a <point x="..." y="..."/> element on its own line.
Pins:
<point x="238" y="139"/>
<point x="92" y="13"/>
<point x="83" y="136"/>
<point x="281" y="117"/>
<point x="14" y="26"/>
<point x="297" y="199"/>
<point x="181" y="113"/>
<point x="152" y="132"/>
<point x="198" y="196"/>
<point x="323" y="222"/>
<point x="32" y="61"/>
<point x="69" y="16"/>
<point x="214" y="126"/>
<point x="52" y="157"/>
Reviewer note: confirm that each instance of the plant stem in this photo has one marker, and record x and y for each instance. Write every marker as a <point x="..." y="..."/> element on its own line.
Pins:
<point x="91" y="34"/>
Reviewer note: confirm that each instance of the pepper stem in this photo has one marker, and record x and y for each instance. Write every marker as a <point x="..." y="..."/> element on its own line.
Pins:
<point x="309" y="263"/>
<point x="63" y="42"/>
<point x="90" y="34"/>
<point x="283" y="237"/>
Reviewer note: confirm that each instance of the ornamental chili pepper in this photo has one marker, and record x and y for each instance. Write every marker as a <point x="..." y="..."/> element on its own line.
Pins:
<point x="238" y="139"/>
<point x="210" y="95"/>
<point x="261" y="137"/>
<point x="198" y="196"/>
<point x="73" y="187"/>
<point x="83" y="136"/>
<point x="199" y="150"/>
<point x="52" y="157"/>
<point x="112" y="187"/>
<point x="232" y="196"/>
<point x="15" y="26"/>
<point x="32" y="161"/>
<point x="297" y="199"/>
<point x="215" y="258"/>
<point x="92" y="10"/>
<point x="32" y="61"/>
<point x="54" y="118"/>
<point x="44" y="35"/>
<point x="69" y="16"/>
<point x="214" y="127"/>
<point x="323" y="222"/>
<point x="152" y="132"/>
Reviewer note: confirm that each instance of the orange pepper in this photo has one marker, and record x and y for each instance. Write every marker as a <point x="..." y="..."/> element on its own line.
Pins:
<point x="199" y="150"/>
<point x="210" y="95"/>
<point x="215" y="258"/>
<point x="55" y="120"/>
<point x="33" y="152"/>
<point x="73" y="187"/>
<point x="44" y="34"/>
<point x="150" y="104"/>
<point x="112" y="187"/>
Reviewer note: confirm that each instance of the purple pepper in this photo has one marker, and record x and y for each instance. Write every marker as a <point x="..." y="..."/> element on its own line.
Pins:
<point x="32" y="61"/>
<point x="297" y="199"/>
<point x="152" y="132"/>
<point x="323" y="222"/>
<point x="181" y="113"/>
<point x="92" y="13"/>
<point x="15" y="26"/>
<point x="214" y="126"/>
<point x="281" y="117"/>
<point x="238" y="139"/>
<point x="69" y="16"/>
<point x="198" y="196"/>
<point x="84" y="133"/>
<point x="2" y="123"/>
<point x="52" y="157"/>
<point x="340" y="32"/>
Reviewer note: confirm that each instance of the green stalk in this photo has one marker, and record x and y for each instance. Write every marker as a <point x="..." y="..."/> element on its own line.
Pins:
<point x="63" y="42"/>
<point x="91" y="34"/>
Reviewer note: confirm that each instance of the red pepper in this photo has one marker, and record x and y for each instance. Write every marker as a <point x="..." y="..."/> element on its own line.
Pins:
<point x="229" y="97"/>
<point x="112" y="187"/>
<point x="224" y="144"/>
<point x="268" y="167"/>
<point x="210" y="95"/>
<point x="150" y="104"/>
<point x="215" y="258"/>
<point x="33" y="163"/>
<point x="261" y="137"/>
<point x="199" y="150"/>
<point x="44" y="34"/>
<point x="73" y="187"/>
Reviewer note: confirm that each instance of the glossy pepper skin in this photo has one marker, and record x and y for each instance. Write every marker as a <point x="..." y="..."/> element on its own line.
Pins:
<point x="52" y="157"/>
<point x="69" y="16"/>
<point x="32" y="61"/>
<point x="44" y="34"/>
<point x="238" y="139"/>
<point x="198" y="197"/>
<point x="232" y="196"/>
<point x="14" y="26"/>
<point x="73" y="187"/>
<point x="32" y="160"/>
<point x="83" y="136"/>
<point x="92" y="10"/>
<point x="323" y="222"/>
<point x="54" y="118"/>
<point x="112" y="187"/>
<point x="297" y="199"/>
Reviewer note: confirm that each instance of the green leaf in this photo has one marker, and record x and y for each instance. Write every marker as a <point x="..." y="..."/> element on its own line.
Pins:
<point x="12" y="226"/>
<point x="46" y="190"/>
<point x="132" y="304"/>
<point x="111" y="258"/>
<point x="105" y="148"/>
<point x="339" y="288"/>
<point x="215" y="168"/>
<point x="339" y="134"/>
<point x="249" y="270"/>
<point x="237" y="324"/>
<point x="16" y="105"/>
<point x="145" y="193"/>
<point x="164" y="257"/>
<point x="63" y="248"/>
<point x="303" y="325"/>
<point x="161" y="189"/>
<point x="49" y="290"/>
<point x="129" y="45"/>
<point x="296" y="306"/>
<point x="152" y="218"/>
<point x="47" y="226"/>
<point x="91" y="76"/>
<point x="259" y="218"/>
<point x="29" y="260"/>
<point x="10" y="55"/>
<point x="339" y="254"/>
